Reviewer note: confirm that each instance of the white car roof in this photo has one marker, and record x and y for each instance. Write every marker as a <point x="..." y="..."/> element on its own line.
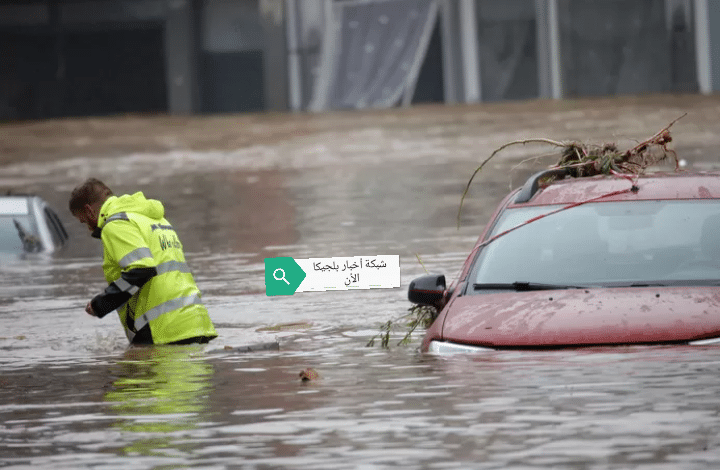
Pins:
<point x="14" y="205"/>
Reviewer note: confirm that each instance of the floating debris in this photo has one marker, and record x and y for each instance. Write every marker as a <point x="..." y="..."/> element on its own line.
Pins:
<point x="308" y="375"/>
<point x="272" y="346"/>
<point x="286" y="327"/>
<point x="418" y="315"/>
<point x="582" y="160"/>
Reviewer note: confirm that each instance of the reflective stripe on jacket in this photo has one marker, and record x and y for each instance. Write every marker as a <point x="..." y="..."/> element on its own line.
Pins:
<point x="135" y="234"/>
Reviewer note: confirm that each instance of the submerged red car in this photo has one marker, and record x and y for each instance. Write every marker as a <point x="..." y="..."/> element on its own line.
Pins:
<point x="590" y="261"/>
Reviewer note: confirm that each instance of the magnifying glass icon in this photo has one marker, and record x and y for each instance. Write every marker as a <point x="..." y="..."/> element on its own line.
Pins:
<point x="281" y="278"/>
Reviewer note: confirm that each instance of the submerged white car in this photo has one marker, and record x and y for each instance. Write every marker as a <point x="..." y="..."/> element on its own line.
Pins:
<point x="29" y="225"/>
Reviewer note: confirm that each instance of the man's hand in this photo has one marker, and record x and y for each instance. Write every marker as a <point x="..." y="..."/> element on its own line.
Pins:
<point x="90" y="310"/>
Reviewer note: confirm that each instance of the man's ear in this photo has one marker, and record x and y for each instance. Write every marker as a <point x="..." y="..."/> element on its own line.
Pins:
<point x="89" y="209"/>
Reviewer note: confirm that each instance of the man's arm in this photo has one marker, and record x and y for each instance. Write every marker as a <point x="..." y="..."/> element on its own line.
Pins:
<point x="120" y="291"/>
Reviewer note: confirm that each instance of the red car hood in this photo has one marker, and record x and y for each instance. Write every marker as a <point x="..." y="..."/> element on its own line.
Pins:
<point x="584" y="317"/>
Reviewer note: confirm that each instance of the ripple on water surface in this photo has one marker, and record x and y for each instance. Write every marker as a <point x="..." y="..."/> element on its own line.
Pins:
<point x="74" y="396"/>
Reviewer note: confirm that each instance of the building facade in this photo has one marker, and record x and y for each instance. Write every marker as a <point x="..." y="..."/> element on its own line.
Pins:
<point x="99" y="57"/>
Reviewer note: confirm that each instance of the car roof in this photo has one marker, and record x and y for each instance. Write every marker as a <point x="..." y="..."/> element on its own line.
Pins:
<point x="15" y="205"/>
<point x="654" y="186"/>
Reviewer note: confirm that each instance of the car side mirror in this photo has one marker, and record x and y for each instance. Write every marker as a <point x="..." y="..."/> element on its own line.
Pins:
<point x="427" y="290"/>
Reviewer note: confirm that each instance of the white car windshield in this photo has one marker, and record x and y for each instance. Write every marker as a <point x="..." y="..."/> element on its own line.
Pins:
<point x="10" y="237"/>
<point x="605" y="243"/>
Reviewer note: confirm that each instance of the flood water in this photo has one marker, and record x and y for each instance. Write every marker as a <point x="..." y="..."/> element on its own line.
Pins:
<point x="73" y="395"/>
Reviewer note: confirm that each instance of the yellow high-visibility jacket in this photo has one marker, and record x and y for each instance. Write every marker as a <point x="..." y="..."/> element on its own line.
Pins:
<point x="135" y="234"/>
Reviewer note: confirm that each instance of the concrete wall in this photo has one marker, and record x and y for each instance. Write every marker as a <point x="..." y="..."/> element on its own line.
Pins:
<point x="78" y="57"/>
<point x="231" y="61"/>
<point x="81" y="58"/>
<point x="508" y="51"/>
<point x="180" y="56"/>
<point x="614" y="47"/>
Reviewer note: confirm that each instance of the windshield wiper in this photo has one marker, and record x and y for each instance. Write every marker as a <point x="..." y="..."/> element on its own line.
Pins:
<point x="31" y="243"/>
<point x="524" y="286"/>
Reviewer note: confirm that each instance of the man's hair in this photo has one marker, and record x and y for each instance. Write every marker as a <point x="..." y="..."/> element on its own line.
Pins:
<point x="91" y="191"/>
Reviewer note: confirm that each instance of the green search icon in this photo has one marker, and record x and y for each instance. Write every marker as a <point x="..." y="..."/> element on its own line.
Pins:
<point x="282" y="276"/>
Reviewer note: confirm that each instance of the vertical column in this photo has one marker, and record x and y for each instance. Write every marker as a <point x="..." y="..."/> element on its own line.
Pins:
<point x="555" y="65"/>
<point x="548" y="40"/>
<point x="55" y="104"/>
<point x="714" y="44"/>
<point x="469" y="47"/>
<point x="451" y="75"/>
<point x="707" y="43"/>
<point x="181" y="57"/>
<point x="702" y="46"/>
<point x="311" y="17"/>
<point x="294" y="68"/>
<point x="321" y="86"/>
<point x="275" y="54"/>
<point x="543" y="44"/>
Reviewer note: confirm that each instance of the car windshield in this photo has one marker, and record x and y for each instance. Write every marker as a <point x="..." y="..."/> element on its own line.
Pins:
<point x="605" y="243"/>
<point x="10" y="239"/>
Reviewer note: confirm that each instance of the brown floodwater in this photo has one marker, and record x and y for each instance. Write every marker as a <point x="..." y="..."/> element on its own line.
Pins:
<point x="239" y="189"/>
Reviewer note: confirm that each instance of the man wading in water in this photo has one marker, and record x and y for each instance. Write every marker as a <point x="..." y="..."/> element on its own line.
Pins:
<point x="150" y="285"/>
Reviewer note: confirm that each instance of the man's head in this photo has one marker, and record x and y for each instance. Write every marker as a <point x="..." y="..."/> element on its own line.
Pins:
<point x="86" y="201"/>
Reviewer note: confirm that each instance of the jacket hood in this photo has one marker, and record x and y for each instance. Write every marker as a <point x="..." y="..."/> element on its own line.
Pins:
<point x="135" y="203"/>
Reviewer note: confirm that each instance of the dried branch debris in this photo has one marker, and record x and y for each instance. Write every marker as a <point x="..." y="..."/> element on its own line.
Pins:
<point x="418" y="315"/>
<point x="581" y="160"/>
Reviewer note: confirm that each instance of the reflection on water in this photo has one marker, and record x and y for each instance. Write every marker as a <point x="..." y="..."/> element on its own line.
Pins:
<point x="602" y="408"/>
<point x="159" y="390"/>
<point x="72" y="395"/>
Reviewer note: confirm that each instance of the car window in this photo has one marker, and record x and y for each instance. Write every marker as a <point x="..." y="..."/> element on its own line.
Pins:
<point x="10" y="240"/>
<point x="603" y="243"/>
<point x="56" y="227"/>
